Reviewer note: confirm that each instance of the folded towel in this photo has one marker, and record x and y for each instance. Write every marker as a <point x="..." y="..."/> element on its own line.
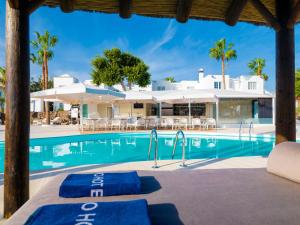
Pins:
<point x="100" y="184"/>
<point x="93" y="213"/>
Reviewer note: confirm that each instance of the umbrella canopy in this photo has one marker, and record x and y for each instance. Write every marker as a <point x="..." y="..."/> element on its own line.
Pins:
<point x="78" y="93"/>
<point x="184" y="96"/>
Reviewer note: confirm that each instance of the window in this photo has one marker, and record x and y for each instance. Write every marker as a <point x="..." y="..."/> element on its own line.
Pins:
<point x="138" y="105"/>
<point x="161" y="88"/>
<point x="217" y="85"/>
<point x="251" y="85"/>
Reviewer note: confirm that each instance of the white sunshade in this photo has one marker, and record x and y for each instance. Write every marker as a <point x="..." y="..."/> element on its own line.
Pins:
<point x="77" y="93"/>
<point x="184" y="96"/>
<point x="143" y="96"/>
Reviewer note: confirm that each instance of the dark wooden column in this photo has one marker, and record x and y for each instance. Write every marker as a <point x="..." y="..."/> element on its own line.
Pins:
<point x="285" y="75"/>
<point x="16" y="174"/>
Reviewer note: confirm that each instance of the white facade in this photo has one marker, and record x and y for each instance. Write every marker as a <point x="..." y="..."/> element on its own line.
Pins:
<point x="253" y="84"/>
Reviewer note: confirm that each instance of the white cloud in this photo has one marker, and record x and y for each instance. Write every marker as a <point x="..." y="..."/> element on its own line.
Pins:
<point x="167" y="37"/>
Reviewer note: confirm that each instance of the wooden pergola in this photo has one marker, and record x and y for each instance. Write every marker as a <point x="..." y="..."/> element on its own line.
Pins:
<point x="281" y="15"/>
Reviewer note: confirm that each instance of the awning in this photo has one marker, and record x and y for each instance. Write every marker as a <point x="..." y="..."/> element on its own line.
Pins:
<point x="77" y="93"/>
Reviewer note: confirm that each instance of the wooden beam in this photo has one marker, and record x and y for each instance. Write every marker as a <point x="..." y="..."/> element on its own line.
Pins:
<point x="234" y="11"/>
<point x="14" y="4"/>
<point x="17" y="112"/>
<point x="183" y="10"/>
<point x="285" y="120"/>
<point x="34" y="5"/>
<point x="266" y="14"/>
<point x="294" y="15"/>
<point x="125" y="8"/>
<point x="67" y="6"/>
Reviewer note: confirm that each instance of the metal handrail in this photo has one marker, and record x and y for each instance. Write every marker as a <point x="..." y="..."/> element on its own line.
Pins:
<point x="241" y="126"/>
<point x="153" y="134"/>
<point x="183" y="147"/>
<point x="250" y="128"/>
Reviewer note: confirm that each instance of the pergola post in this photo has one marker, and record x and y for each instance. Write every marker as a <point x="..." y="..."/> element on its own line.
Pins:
<point x="285" y="74"/>
<point x="16" y="172"/>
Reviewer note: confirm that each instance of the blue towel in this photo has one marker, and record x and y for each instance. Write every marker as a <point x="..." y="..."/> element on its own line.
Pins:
<point x="100" y="184"/>
<point x="96" y="213"/>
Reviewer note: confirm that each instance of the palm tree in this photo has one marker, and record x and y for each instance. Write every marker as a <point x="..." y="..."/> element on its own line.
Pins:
<point x="2" y="77"/>
<point x="43" y="46"/>
<point x="170" y="79"/>
<point x="2" y="85"/>
<point x="222" y="51"/>
<point x="256" y="66"/>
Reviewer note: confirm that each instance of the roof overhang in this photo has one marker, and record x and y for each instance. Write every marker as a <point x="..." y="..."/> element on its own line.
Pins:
<point x="78" y="93"/>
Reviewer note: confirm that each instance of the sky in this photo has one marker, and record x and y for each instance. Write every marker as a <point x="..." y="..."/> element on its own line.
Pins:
<point x="168" y="47"/>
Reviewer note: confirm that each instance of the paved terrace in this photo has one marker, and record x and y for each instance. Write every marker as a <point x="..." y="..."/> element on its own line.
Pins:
<point x="67" y="130"/>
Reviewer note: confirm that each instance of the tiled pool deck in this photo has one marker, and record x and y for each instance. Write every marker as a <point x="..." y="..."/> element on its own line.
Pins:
<point x="67" y="130"/>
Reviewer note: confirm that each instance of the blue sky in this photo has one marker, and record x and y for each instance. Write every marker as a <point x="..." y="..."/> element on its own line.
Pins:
<point x="168" y="47"/>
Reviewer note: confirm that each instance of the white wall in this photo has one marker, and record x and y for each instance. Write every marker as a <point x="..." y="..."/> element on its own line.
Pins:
<point x="64" y="80"/>
<point x="208" y="81"/>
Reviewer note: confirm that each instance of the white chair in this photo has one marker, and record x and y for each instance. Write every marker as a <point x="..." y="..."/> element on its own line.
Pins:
<point x="86" y="124"/>
<point x="167" y="123"/>
<point x="115" y="123"/>
<point x="203" y="123"/>
<point x="141" y="123"/>
<point x="101" y="124"/>
<point x="153" y="123"/>
<point x="182" y="123"/>
<point x="196" y="122"/>
<point x="131" y="123"/>
<point x="56" y="121"/>
<point x="211" y="123"/>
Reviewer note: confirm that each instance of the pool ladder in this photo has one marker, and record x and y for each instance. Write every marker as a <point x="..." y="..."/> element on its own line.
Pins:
<point x="250" y="128"/>
<point x="153" y="134"/>
<point x="180" y="132"/>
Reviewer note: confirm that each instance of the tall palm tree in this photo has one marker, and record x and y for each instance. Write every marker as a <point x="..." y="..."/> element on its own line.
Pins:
<point x="43" y="46"/>
<point x="224" y="52"/>
<point x="2" y="77"/>
<point x="2" y="86"/>
<point x="256" y="66"/>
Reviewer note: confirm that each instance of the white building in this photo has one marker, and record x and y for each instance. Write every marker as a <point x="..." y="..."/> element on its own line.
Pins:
<point x="243" y="99"/>
<point x="253" y="84"/>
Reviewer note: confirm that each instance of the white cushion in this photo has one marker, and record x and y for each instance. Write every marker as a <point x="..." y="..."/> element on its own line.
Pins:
<point x="284" y="161"/>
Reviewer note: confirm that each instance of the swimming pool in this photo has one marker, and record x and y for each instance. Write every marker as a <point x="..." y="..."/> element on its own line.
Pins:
<point x="58" y="152"/>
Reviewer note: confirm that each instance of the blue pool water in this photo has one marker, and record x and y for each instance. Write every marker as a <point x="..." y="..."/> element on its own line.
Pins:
<point x="49" y="153"/>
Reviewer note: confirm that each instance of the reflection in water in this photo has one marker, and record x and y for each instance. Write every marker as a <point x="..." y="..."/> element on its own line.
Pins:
<point x="51" y="153"/>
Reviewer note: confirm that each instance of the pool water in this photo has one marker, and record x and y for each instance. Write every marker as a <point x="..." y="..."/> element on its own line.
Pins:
<point x="58" y="152"/>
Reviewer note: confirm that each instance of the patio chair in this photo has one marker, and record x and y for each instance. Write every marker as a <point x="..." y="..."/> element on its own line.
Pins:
<point x="101" y="124"/>
<point x="86" y="125"/>
<point x="196" y="122"/>
<point x="211" y="123"/>
<point x="181" y="123"/>
<point x="131" y="123"/>
<point x="56" y="121"/>
<point x="167" y="123"/>
<point x="115" y="123"/>
<point x="141" y="123"/>
<point x="153" y="123"/>
<point x="203" y="123"/>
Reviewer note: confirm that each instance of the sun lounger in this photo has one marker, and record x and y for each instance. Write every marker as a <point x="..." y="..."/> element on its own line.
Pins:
<point x="284" y="161"/>
<point x="97" y="213"/>
<point x="100" y="184"/>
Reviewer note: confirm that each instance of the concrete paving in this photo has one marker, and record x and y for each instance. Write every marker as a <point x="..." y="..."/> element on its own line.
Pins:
<point x="67" y="130"/>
